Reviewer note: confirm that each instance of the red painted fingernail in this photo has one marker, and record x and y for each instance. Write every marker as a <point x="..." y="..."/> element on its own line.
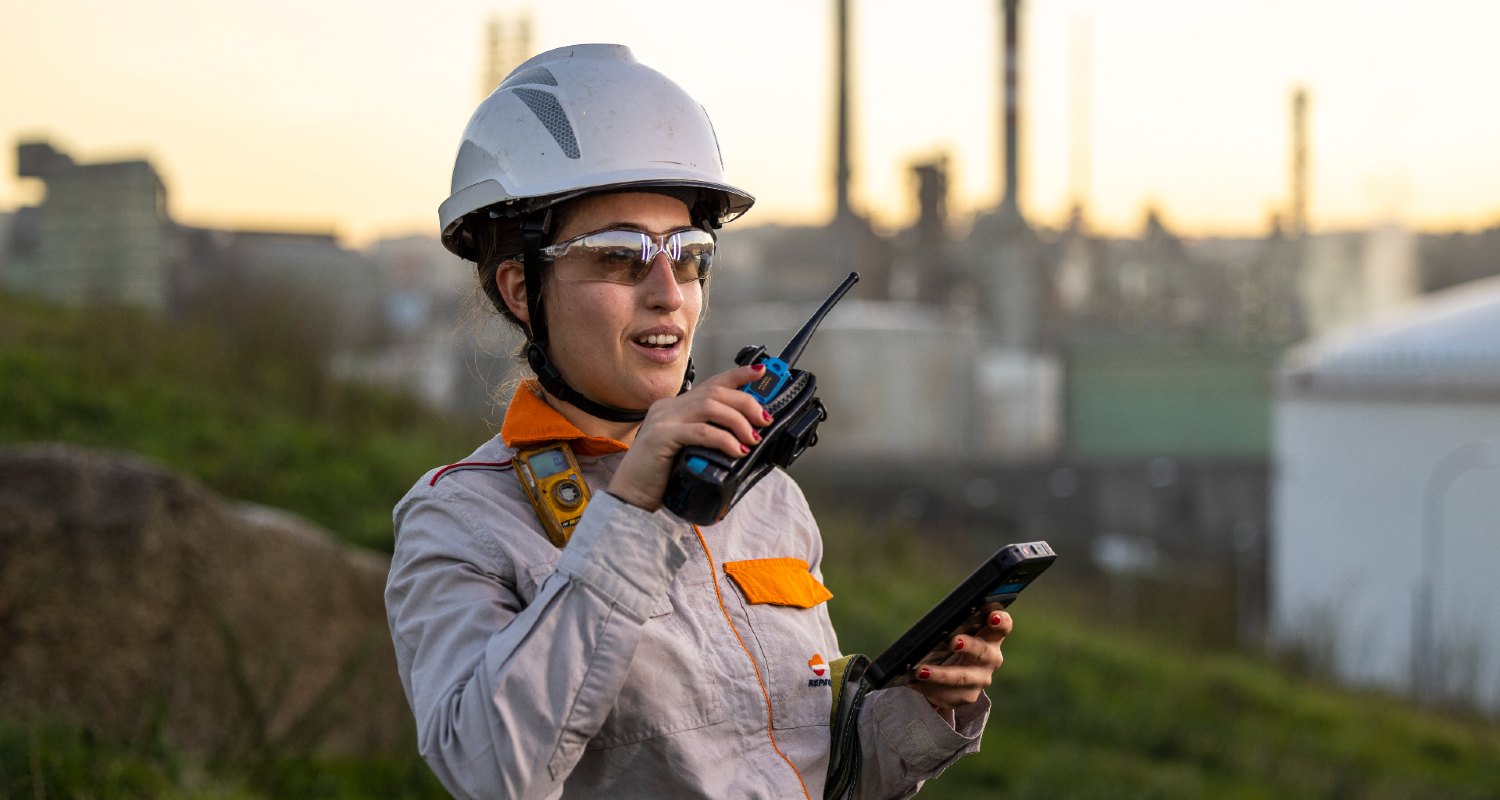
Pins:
<point x="759" y="367"/>
<point x="755" y="435"/>
<point x="744" y="450"/>
<point x="765" y="415"/>
<point x="958" y="645"/>
<point x="995" y="620"/>
<point x="923" y="674"/>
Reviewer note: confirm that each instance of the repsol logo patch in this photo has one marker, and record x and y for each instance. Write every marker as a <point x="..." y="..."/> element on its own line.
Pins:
<point x="819" y="668"/>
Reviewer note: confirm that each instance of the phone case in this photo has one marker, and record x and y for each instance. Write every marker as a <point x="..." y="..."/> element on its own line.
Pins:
<point x="998" y="580"/>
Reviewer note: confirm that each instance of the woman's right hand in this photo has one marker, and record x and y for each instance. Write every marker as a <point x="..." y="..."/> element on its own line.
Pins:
<point x="714" y="414"/>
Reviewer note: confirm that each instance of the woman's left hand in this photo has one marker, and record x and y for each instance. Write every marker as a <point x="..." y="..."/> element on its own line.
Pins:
<point x="957" y="675"/>
<point x="713" y="414"/>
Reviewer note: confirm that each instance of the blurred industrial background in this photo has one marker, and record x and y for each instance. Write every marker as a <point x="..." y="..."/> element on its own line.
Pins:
<point x="1289" y="437"/>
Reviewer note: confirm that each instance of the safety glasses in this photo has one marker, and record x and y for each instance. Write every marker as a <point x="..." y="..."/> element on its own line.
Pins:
<point x="626" y="256"/>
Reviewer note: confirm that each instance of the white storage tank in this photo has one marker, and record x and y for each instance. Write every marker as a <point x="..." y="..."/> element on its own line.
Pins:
<point x="901" y="380"/>
<point x="1386" y="500"/>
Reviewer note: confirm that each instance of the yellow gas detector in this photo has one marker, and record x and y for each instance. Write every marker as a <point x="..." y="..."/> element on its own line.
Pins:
<point x="554" y="485"/>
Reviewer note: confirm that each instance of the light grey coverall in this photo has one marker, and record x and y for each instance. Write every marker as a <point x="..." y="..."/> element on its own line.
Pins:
<point x="628" y="664"/>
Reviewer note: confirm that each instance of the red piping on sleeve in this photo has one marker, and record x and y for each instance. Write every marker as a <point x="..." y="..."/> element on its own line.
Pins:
<point x="462" y="464"/>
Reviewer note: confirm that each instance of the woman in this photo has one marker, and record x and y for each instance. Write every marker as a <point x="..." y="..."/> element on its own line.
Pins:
<point x="646" y="657"/>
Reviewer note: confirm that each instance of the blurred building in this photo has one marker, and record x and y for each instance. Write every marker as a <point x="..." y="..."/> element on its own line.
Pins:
<point x="1387" y="500"/>
<point x="1448" y="259"/>
<point x="896" y="377"/>
<point x="1070" y="343"/>
<point x="443" y="343"/>
<point x="101" y="236"/>
<point x="256" y="268"/>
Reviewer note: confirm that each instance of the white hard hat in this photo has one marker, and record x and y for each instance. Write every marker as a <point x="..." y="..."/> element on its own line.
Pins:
<point x="581" y="119"/>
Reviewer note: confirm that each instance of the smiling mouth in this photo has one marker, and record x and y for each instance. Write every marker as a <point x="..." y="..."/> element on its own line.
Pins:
<point x="658" y="341"/>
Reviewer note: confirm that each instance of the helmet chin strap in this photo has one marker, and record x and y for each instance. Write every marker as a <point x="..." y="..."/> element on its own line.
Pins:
<point x="534" y="230"/>
<point x="553" y="383"/>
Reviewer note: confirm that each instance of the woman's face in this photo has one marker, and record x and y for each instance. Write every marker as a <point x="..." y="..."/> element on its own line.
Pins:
<point x="624" y="346"/>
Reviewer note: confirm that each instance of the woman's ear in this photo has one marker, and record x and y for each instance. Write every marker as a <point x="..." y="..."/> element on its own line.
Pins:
<point x="510" y="278"/>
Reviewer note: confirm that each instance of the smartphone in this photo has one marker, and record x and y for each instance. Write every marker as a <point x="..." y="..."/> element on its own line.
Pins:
<point x="994" y="584"/>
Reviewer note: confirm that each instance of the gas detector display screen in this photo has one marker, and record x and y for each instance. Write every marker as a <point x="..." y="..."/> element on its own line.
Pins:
<point x="548" y="463"/>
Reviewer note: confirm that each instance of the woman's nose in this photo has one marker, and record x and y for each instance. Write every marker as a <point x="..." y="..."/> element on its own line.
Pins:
<point x="662" y="288"/>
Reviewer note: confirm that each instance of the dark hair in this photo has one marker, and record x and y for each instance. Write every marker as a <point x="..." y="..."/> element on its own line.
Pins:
<point x="495" y="242"/>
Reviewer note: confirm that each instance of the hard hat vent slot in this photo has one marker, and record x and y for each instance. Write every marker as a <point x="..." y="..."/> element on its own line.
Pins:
<point x="540" y="75"/>
<point x="546" y="108"/>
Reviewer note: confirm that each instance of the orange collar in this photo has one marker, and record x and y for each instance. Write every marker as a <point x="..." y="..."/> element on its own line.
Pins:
<point x="530" y="422"/>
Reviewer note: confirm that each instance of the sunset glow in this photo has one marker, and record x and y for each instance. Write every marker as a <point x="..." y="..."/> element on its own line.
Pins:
<point x="345" y="116"/>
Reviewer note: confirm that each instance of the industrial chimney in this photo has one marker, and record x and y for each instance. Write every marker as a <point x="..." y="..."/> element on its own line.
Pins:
<point x="1010" y="209"/>
<point x="842" y="211"/>
<point x="504" y="53"/>
<point x="1299" y="163"/>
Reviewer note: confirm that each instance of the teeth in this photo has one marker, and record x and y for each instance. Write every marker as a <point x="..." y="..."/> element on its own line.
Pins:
<point x="659" y="340"/>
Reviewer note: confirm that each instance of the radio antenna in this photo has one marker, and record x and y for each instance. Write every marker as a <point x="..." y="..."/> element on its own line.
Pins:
<point x="794" y="348"/>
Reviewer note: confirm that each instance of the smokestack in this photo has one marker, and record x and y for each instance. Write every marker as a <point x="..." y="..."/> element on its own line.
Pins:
<point x="523" y="41"/>
<point x="1010" y="200"/>
<point x="841" y="169"/>
<point x="1079" y="160"/>
<point x="494" y="58"/>
<point x="932" y="201"/>
<point x="503" y="54"/>
<point x="1299" y="163"/>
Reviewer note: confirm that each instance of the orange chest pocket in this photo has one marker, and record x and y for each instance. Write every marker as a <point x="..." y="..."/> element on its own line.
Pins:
<point x="777" y="581"/>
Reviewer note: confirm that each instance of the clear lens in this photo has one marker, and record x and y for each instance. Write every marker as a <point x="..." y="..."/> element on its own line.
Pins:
<point x="623" y="256"/>
<point x="695" y="254"/>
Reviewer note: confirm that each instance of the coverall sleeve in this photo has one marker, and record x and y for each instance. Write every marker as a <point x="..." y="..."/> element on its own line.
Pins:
<point x="506" y="694"/>
<point x="904" y="742"/>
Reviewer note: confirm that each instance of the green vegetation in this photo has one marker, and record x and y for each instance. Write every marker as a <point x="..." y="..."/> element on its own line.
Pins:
<point x="67" y="761"/>
<point x="246" y="411"/>
<point x="1082" y="709"/>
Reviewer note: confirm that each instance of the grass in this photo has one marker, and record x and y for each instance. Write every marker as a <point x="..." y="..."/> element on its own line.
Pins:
<point x="250" y="415"/>
<point x="1082" y="709"/>
<point x="57" y="760"/>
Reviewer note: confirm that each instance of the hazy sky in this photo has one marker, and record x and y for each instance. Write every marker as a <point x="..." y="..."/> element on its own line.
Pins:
<point x="345" y="115"/>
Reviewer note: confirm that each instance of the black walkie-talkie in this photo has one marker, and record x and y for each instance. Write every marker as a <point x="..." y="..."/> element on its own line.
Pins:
<point x="705" y="483"/>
